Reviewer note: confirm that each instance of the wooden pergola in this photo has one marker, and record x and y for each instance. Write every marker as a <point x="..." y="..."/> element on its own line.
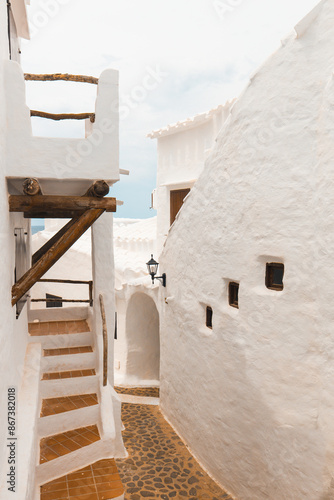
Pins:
<point x="83" y="212"/>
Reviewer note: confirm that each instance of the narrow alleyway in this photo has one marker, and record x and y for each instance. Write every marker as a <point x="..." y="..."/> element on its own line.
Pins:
<point x="159" y="465"/>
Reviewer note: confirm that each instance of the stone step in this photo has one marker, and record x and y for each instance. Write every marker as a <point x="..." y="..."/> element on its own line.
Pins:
<point x="63" y="340"/>
<point x="98" y="481"/>
<point x="57" y="327"/>
<point x="57" y="446"/>
<point x="68" y="359"/>
<point x="60" y="387"/>
<point x="54" y="406"/>
<point x="68" y="374"/>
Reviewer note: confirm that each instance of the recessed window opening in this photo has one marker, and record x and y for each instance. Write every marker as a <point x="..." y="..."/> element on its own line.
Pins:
<point x="53" y="300"/>
<point x="209" y="314"/>
<point x="274" y="276"/>
<point x="177" y="197"/>
<point x="233" y="294"/>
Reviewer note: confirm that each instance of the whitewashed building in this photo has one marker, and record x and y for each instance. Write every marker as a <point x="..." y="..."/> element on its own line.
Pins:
<point x="246" y="320"/>
<point x="22" y="363"/>
<point x="182" y="150"/>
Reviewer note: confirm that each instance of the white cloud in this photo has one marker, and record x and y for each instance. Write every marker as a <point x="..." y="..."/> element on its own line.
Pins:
<point x="208" y="57"/>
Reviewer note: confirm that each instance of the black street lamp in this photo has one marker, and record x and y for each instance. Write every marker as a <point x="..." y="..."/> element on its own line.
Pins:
<point x="152" y="266"/>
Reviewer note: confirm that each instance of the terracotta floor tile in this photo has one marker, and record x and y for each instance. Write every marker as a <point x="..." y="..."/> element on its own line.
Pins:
<point x="60" y="486"/>
<point x="92" y="496"/>
<point x="67" y="350"/>
<point x="55" y="495"/>
<point x="101" y="474"/>
<point x="65" y="443"/>
<point x="74" y="476"/>
<point x="54" y="406"/>
<point x="109" y="486"/>
<point x="58" y="327"/>
<point x="82" y="490"/>
<point x="83" y="486"/>
<point x="108" y="495"/>
<point x="111" y="474"/>
<point x="83" y="481"/>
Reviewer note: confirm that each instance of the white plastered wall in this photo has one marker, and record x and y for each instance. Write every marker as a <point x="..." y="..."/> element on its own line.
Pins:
<point x="13" y="332"/>
<point x="138" y="338"/>
<point x="253" y="397"/>
<point x="182" y="151"/>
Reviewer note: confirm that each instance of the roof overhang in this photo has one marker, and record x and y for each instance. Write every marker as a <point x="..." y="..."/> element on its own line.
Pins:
<point x="19" y="10"/>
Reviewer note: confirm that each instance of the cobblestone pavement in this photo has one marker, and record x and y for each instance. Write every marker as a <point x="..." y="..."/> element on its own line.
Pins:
<point x="159" y="465"/>
<point x="149" y="392"/>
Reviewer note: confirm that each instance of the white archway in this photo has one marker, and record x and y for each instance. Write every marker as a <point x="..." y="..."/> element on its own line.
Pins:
<point x="142" y="332"/>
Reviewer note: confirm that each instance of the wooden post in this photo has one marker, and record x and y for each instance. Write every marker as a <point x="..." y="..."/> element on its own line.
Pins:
<point x="52" y="206"/>
<point x="105" y="341"/>
<point x="91" y="294"/>
<point x="31" y="187"/>
<point x="63" y="116"/>
<point x="60" y="76"/>
<point x="98" y="189"/>
<point x="54" y="253"/>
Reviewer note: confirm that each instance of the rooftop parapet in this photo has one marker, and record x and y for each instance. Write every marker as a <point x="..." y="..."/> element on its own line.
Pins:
<point x="94" y="157"/>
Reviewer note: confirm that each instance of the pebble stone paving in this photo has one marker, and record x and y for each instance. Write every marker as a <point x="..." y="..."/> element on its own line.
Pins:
<point x="159" y="465"/>
<point x="149" y="392"/>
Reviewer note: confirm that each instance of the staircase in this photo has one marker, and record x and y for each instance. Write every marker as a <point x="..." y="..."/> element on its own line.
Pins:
<point x="76" y="428"/>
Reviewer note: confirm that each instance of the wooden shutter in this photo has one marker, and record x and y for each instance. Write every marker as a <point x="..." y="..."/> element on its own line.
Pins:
<point x="176" y="202"/>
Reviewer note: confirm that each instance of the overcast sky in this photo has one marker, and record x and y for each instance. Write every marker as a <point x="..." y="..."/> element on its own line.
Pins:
<point x="203" y="52"/>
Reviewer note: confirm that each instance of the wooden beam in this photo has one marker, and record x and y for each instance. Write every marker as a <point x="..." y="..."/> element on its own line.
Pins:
<point x="31" y="187"/>
<point x="60" y="76"/>
<point x="58" y="204"/>
<point x="54" y="253"/>
<point x="41" y="251"/>
<point x="98" y="189"/>
<point x="63" y="116"/>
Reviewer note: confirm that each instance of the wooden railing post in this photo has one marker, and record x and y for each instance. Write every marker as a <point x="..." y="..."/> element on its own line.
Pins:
<point x="91" y="294"/>
<point x="105" y="341"/>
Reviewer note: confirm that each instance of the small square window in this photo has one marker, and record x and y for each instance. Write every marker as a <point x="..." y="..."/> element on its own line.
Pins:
<point x="233" y="294"/>
<point x="274" y="276"/>
<point x="209" y="314"/>
<point x="53" y="300"/>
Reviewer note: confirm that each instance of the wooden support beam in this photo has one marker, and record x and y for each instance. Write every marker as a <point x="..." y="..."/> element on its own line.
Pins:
<point x="63" y="116"/>
<point x="98" y="189"/>
<point x="55" y="206"/>
<point x="60" y="76"/>
<point x="49" y="244"/>
<point x="31" y="187"/>
<point x="54" y="253"/>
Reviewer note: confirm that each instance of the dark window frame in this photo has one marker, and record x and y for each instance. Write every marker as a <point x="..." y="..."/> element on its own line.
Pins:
<point x="270" y="276"/>
<point x="209" y="316"/>
<point x="53" y="303"/>
<point x="233" y="294"/>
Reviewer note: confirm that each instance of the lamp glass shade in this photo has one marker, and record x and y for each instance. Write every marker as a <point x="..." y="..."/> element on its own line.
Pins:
<point x="152" y="266"/>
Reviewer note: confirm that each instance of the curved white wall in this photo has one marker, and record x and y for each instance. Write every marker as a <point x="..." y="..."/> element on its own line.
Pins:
<point x="253" y="397"/>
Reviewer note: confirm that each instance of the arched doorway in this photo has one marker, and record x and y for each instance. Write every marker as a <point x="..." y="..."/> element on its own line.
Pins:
<point x="142" y="332"/>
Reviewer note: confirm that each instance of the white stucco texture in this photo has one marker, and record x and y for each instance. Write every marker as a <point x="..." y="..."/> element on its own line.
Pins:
<point x="142" y="331"/>
<point x="253" y="396"/>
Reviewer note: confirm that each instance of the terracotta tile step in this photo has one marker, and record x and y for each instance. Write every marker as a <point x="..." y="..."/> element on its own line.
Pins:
<point x="61" y="444"/>
<point x="67" y="350"/>
<point x="54" y="406"/>
<point x="58" y="327"/>
<point x="69" y="374"/>
<point x="98" y="481"/>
